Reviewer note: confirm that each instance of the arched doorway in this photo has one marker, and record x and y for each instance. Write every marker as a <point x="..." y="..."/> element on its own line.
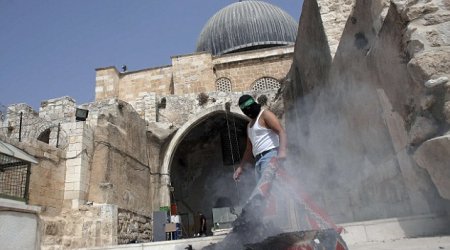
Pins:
<point x="202" y="165"/>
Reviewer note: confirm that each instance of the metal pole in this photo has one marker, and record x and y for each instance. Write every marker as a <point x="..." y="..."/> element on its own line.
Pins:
<point x="57" y="134"/>
<point x="20" y="127"/>
<point x="27" y="184"/>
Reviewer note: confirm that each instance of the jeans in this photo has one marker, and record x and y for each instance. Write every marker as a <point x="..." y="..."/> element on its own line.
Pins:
<point x="262" y="163"/>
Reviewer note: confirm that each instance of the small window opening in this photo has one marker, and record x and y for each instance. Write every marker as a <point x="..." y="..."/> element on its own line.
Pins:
<point x="45" y="136"/>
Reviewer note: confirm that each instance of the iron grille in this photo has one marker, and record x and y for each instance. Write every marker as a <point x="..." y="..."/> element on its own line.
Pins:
<point x="14" y="178"/>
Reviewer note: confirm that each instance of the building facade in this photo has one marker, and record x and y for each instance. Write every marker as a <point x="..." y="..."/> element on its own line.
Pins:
<point x="153" y="137"/>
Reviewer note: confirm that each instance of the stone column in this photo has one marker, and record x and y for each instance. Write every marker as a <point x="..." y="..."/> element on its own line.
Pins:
<point x="77" y="164"/>
<point x="164" y="192"/>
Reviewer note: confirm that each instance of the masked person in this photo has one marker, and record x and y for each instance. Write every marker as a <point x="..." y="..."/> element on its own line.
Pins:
<point x="266" y="137"/>
<point x="266" y="142"/>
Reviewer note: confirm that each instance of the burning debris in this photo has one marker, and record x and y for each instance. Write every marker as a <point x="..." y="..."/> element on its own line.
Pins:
<point x="255" y="228"/>
<point x="309" y="240"/>
<point x="247" y="228"/>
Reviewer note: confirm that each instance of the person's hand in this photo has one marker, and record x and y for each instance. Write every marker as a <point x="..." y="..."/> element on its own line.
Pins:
<point x="281" y="156"/>
<point x="237" y="173"/>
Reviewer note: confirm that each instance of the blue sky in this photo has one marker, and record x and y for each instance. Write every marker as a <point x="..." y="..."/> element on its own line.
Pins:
<point x="51" y="48"/>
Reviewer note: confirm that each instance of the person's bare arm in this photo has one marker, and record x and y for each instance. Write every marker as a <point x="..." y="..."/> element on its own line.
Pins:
<point x="246" y="159"/>
<point x="272" y="122"/>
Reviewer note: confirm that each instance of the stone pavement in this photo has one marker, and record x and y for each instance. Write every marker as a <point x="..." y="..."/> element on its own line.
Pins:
<point x="426" y="243"/>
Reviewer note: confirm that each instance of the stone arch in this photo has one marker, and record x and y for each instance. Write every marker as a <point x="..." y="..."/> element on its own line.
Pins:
<point x="44" y="136"/>
<point x="52" y="129"/>
<point x="184" y="130"/>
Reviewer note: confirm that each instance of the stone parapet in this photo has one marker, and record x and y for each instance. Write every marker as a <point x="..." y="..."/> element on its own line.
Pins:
<point x="61" y="109"/>
<point x="136" y="84"/>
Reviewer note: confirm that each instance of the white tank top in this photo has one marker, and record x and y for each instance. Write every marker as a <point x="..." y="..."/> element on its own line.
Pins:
<point x="262" y="139"/>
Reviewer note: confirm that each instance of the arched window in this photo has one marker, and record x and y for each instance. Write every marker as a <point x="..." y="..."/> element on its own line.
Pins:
<point x="223" y="84"/>
<point x="45" y="136"/>
<point x="266" y="83"/>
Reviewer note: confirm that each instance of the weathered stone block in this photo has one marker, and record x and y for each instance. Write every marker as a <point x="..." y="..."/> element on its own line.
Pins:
<point x="429" y="64"/>
<point x="51" y="228"/>
<point x="434" y="156"/>
<point x="422" y="129"/>
<point x="447" y="111"/>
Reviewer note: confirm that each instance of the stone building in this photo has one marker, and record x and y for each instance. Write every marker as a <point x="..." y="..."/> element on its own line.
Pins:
<point x="152" y="137"/>
<point x="363" y="93"/>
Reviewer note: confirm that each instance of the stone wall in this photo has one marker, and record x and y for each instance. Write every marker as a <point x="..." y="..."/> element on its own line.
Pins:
<point x="148" y="106"/>
<point x="46" y="188"/>
<point x="106" y="83"/>
<point x="192" y="74"/>
<point x="30" y="119"/>
<point x="136" y="84"/>
<point x="180" y="109"/>
<point x="79" y="151"/>
<point x="114" y="157"/>
<point x="133" y="228"/>
<point x="354" y="115"/>
<point x="101" y="160"/>
<point x="42" y="125"/>
<point x="119" y="163"/>
<point x="427" y="51"/>
<point x="87" y="226"/>
<point x="59" y="109"/>
<point x="180" y="116"/>
<point x="244" y="73"/>
<point x="89" y="169"/>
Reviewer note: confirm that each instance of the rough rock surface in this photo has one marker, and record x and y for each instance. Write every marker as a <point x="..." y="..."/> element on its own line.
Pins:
<point x="434" y="156"/>
<point x="423" y="128"/>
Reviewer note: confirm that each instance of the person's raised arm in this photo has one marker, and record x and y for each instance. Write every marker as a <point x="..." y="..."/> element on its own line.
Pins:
<point x="272" y="122"/>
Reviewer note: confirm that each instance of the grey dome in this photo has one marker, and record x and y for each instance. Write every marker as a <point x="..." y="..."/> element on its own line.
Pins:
<point x="247" y="25"/>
